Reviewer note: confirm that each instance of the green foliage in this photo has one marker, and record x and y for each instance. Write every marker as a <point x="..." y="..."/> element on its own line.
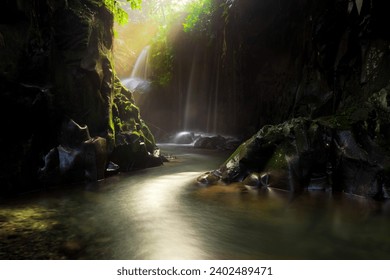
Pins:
<point x="162" y="57"/>
<point x="199" y="15"/>
<point x="166" y="14"/>
<point x="195" y="17"/>
<point x="117" y="9"/>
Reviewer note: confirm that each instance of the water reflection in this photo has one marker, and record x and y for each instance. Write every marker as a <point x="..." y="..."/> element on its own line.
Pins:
<point x="160" y="213"/>
<point x="166" y="232"/>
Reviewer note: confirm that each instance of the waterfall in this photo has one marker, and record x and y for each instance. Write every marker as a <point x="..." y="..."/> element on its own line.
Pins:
<point x="138" y="80"/>
<point x="140" y="69"/>
<point x="202" y="94"/>
<point x="189" y="112"/>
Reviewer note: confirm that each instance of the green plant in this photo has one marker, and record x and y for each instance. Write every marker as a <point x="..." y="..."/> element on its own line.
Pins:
<point x="199" y="15"/>
<point x="162" y="57"/>
<point x="117" y="9"/>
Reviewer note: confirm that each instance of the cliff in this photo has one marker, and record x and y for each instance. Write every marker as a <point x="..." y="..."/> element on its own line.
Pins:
<point x="64" y="112"/>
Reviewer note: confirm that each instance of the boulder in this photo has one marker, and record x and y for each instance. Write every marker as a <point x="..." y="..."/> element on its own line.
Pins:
<point x="214" y="142"/>
<point x="78" y="157"/>
<point x="309" y="154"/>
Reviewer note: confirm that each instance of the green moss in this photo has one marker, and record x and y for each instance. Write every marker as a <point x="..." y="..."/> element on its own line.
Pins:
<point x="278" y="159"/>
<point x="344" y="120"/>
<point x="148" y="136"/>
<point x="127" y="118"/>
<point x="240" y="151"/>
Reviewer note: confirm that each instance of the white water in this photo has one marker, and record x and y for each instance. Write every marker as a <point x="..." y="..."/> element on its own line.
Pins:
<point x="189" y="111"/>
<point x="139" y="78"/>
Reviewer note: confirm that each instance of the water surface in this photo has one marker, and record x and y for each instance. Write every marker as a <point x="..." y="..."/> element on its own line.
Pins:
<point x="161" y="213"/>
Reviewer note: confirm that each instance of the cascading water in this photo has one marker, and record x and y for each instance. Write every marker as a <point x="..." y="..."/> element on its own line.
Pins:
<point x="189" y="112"/>
<point x="140" y="69"/>
<point x="201" y="95"/>
<point x="195" y="101"/>
<point x="138" y="80"/>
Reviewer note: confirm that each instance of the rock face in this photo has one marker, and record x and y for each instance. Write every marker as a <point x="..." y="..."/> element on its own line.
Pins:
<point x="56" y="68"/>
<point x="345" y="152"/>
<point x="134" y="143"/>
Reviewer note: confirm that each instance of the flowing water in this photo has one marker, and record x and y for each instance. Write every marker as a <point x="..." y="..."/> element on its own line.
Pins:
<point x="161" y="213"/>
<point x="139" y="78"/>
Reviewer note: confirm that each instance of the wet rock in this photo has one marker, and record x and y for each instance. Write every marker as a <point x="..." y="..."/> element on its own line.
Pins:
<point x="232" y="143"/>
<point x="164" y="158"/>
<point x="134" y="155"/>
<point x="360" y="164"/>
<point x="95" y="155"/>
<point x="310" y="154"/>
<point x="134" y="146"/>
<point x="112" y="168"/>
<point x="72" y="134"/>
<point x="184" y="138"/>
<point x="256" y="180"/>
<point x="129" y="156"/>
<point x="319" y="183"/>
<point x="253" y="154"/>
<point x="215" y="142"/>
<point x="265" y="179"/>
<point x="153" y="161"/>
<point x="209" y="178"/>
<point x="78" y="157"/>
<point x="252" y="180"/>
<point x="71" y="164"/>
<point x="167" y="157"/>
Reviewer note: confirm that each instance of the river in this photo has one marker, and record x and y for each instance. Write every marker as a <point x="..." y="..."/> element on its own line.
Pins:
<point x="162" y="213"/>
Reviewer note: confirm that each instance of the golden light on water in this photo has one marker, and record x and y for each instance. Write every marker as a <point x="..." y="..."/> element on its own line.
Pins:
<point x="168" y="233"/>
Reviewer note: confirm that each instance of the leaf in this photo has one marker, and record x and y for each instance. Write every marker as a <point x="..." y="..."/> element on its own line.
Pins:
<point x="116" y="8"/>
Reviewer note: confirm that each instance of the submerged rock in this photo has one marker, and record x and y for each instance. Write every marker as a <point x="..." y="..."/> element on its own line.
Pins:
<point x="214" y="142"/>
